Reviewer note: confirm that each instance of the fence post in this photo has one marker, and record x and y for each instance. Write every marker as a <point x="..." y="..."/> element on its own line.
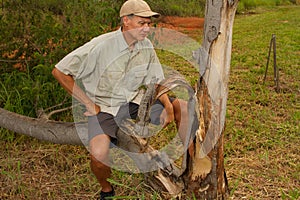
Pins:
<point x="276" y="71"/>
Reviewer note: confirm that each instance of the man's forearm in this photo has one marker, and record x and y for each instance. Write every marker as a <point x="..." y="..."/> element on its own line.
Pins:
<point x="164" y="99"/>
<point x="68" y="83"/>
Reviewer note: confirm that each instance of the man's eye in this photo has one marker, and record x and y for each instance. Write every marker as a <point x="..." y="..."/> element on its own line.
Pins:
<point x="143" y="23"/>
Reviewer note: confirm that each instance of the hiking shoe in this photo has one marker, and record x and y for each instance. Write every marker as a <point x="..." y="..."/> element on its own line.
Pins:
<point x="107" y="195"/>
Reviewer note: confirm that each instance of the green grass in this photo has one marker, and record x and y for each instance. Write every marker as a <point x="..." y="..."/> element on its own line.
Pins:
<point x="262" y="131"/>
<point x="262" y="125"/>
<point x="252" y="5"/>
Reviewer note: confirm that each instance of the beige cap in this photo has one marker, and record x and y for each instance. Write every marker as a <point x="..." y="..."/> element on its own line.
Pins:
<point x="138" y="8"/>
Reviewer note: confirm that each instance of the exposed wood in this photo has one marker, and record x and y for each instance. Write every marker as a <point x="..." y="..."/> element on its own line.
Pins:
<point x="214" y="60"/>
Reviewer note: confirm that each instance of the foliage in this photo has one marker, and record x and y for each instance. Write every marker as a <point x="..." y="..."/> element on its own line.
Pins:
<point x="43" y="32"/>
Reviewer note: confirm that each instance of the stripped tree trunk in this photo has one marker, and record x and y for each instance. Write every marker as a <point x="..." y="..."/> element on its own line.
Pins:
<point x="207" y="179"/>
<point x="202" y="174"/>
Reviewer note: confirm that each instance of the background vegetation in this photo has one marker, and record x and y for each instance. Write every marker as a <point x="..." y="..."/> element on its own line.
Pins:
<point x="248" y="5"/>
<point x="262" y="133"/>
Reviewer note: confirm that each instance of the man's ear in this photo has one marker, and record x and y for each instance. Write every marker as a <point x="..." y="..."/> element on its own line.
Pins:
<point x="125" y="20"/>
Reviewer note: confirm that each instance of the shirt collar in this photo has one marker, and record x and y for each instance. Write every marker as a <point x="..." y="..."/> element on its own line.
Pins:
<point x="122" y="42"/>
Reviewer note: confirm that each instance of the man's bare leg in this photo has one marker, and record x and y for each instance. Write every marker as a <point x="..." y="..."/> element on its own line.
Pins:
<point x="182" y="121"/>
<point x="99" y="150"/>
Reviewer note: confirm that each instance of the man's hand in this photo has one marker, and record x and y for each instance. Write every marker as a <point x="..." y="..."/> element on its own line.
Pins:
<point x="92" y="109"/>
<point x="167" y="116"/>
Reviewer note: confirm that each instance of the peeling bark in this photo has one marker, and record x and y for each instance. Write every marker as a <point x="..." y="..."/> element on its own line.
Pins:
<point x="214" y="60"/>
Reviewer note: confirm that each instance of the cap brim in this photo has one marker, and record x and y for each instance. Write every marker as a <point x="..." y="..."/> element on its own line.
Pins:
<point x="147" y="14"/>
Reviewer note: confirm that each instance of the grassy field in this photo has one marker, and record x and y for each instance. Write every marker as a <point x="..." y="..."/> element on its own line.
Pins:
<point x="263" y="132"/>
<point x="262" y="157"/>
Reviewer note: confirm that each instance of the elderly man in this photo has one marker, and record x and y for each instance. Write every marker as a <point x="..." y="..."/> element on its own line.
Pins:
<point x="111" y="68"/>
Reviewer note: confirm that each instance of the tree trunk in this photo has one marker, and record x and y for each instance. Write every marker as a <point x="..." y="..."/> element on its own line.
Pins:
<point x="206" y="177"/>
<point x="202" y="174"/>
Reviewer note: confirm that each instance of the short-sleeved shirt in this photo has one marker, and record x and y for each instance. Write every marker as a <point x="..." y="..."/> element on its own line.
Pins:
<point x="110" y="72"/>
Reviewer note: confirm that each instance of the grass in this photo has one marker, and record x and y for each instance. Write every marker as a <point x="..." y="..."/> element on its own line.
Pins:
<point x="248" y="5"/>
<point x="262" y="131"/>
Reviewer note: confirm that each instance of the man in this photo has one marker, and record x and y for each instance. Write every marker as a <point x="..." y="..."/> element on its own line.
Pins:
<point x="111" y="68"/>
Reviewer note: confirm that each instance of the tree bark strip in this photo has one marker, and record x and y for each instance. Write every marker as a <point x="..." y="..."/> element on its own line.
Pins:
<point x="214" y="59"/>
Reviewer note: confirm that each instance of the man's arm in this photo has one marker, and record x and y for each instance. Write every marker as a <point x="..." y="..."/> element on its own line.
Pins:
<point x="167" y="115"/>
<point x="68" y="83"/>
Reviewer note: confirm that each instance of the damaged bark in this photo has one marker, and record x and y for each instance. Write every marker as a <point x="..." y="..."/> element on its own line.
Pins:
<point x="214" y="60"/>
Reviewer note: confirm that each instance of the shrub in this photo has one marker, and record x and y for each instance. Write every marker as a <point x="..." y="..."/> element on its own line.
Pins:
<point x="35" y="35"/>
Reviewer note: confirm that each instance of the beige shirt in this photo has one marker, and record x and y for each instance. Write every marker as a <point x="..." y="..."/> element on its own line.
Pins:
<point x="110" y="73"/>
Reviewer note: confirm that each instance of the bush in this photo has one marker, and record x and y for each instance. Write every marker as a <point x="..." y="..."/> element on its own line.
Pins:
<point x="35" y="35"/>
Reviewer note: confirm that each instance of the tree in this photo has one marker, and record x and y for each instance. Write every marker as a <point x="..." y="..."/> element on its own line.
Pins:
<point x="202" y="174"/>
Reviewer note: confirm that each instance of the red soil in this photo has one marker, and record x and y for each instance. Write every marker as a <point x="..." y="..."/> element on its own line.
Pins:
<point x="191" y="26"/>
<point x="188" y="23"/>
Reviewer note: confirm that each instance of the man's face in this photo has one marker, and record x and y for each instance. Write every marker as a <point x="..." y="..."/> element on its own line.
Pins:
<point x="138" y="27"/>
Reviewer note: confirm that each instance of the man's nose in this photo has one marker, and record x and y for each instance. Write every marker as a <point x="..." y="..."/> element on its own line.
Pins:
<point x="146" y="28"/>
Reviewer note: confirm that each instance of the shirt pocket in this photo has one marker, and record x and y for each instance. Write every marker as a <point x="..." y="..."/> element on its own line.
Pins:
<point x="110" y="80"/>
<point x="135" y="79"/>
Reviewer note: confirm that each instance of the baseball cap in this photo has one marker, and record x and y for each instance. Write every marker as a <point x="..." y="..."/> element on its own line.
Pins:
<point x="138" y="8"/>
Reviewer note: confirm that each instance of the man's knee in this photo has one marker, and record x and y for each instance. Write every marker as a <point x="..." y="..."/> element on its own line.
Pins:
<point x="99" y="148"/>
